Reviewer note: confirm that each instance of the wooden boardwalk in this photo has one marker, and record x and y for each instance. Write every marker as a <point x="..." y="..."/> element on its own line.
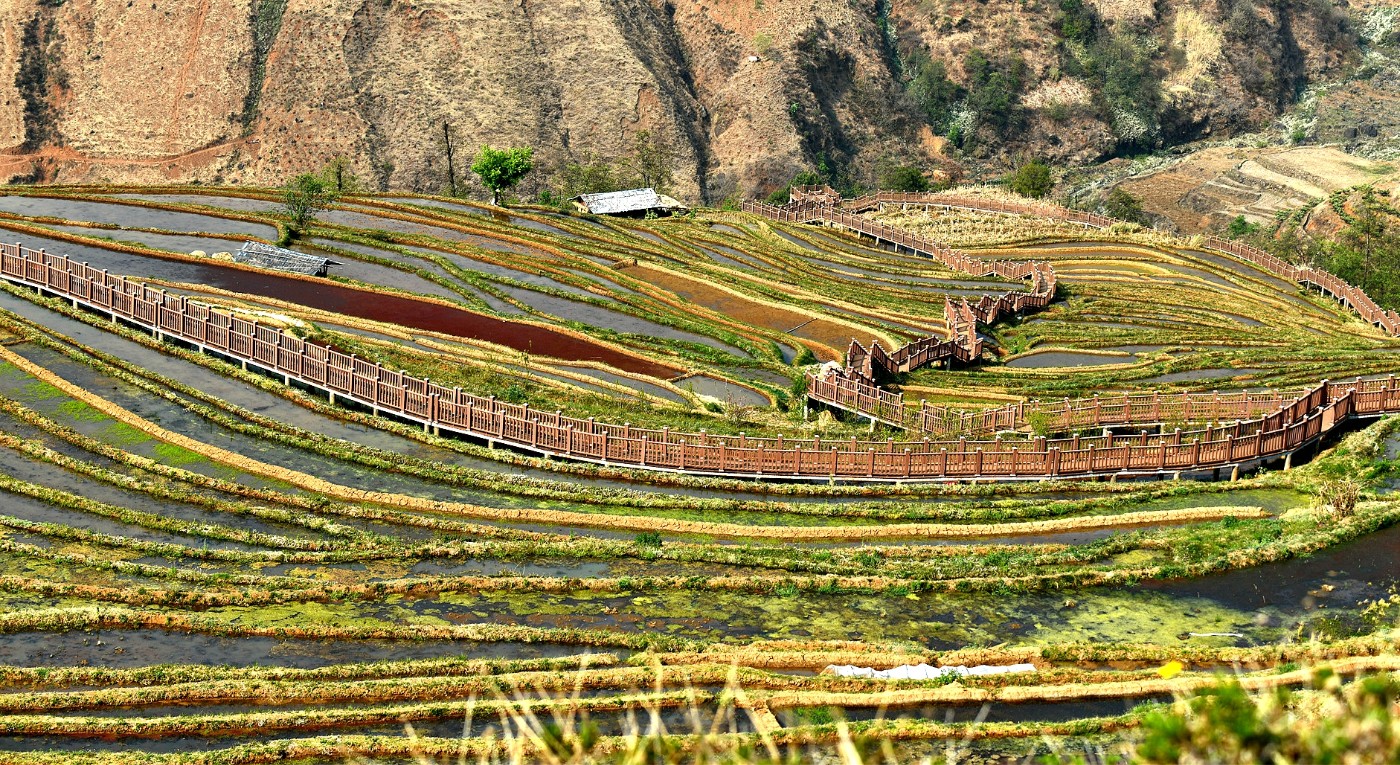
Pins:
<point x="1261" y="427"/>
<point x="853" y="388"/>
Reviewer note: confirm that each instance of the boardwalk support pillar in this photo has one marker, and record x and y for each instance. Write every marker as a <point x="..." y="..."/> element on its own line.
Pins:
<point x="1288" y="461"/>
<point x="1234" y="473"/>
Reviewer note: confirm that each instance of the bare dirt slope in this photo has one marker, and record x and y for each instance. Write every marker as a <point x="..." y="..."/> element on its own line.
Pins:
<point x="746" y="92"/>
<point x="264" y="88"/>
<point x="1211" y="187"/>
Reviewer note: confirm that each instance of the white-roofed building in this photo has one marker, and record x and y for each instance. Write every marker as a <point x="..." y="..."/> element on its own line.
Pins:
<point x="632" y="202"/>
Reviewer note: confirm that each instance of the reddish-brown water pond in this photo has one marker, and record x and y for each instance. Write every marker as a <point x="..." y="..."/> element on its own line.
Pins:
<point x="366" y="304"/>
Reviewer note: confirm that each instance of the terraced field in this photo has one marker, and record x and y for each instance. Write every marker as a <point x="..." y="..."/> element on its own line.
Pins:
<point x="203" y="563"/>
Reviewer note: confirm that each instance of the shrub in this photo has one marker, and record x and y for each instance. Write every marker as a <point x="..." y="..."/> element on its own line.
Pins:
<point x="994" y="88"/>
<point x="903" y="178"/>
<point x="1121" y="204"/>
<point x="1339" y="496"/>
<point x="1031" y="180"/>
<point x="649" y="539"/>
<point x="1225" y="724"/>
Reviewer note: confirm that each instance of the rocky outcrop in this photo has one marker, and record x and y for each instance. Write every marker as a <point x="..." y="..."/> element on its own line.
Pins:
<point x="745" y="92"/>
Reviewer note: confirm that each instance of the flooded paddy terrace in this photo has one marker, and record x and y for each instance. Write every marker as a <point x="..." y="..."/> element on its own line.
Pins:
<point x="130" y="545"/>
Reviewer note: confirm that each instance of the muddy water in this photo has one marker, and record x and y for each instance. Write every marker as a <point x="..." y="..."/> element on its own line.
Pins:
<point x="498" y="305"/>
<point x="598" y="316"/>
<point x="246" y="204"/>
<point x="722" y="228"/>
<point x="1066" y="359"/>
<point x="1332" y="579"/>
<point x="378" y="306"/>
<point x="892" y="277"/>
<point x="143" y="647"/>
<point x="724" y="390"/>
<point x="1243" y="268"/>
<point x="753" y="312"/>
<point x="370" y="273"/>
<point x="801" y="243"/>
<point x="18" y="466"/>
<point x="130" y="216"/>
<point x="1201" y="273"/>
<point x="742" y="265"/>
<point x="652" y="390"/>
<point x="539" y="280"/>
<point x="181" y="243"/>
<point x="1263" y="605"/>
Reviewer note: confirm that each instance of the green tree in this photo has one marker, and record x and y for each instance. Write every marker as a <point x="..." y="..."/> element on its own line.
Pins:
<point x="895" y="177"/>
<point x="1031" y="180"/>
<point x="501" y="169"/>
<point x="1240" y="228"/>
<point x="932" y="91"/>
<point x="651" y="160"/>
<point x="304" y="197"/>
<point x="994" y="89"/>
<point x="1367" y="230"/>
<point x="1121" y="204"/>
<point x="589" y="176"/>
<point x="1077" y="21"/>
<point x="340" y="177"/>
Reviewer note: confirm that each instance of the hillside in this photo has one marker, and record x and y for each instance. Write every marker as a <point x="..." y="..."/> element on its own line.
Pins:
<point x="744" y="92"/>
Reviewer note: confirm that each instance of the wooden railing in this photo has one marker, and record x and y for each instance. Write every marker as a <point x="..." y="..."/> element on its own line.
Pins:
<point x="820" y="203"/>
<point x="1104" y="411"/>
<point x="854" y="387"/>
<point x="1349" y="295"/>
<point x="1257" y="432"/>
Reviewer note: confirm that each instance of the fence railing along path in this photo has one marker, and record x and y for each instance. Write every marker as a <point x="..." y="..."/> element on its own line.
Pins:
<point x="822" y="204"/>
<point x="854" y="387"/>
<point x="1259" y="431"/>
<point x="1349" y="295"/>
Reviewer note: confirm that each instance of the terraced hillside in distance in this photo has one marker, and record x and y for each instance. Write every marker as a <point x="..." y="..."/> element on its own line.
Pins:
<point x="510" y="484"/>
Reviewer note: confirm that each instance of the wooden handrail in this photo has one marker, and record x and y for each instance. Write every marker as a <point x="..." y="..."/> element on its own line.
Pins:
<point x="821" y="203"/>
<point x="1296" y="421"/>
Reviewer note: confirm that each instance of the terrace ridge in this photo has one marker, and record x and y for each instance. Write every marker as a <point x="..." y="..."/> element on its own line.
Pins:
<point x="854" y="387"/>
<point x="1265" y="426"/>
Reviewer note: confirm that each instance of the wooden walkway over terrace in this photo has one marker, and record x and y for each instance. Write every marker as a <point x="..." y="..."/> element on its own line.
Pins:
<point x="854" y="387"/>
<point x="1262" y="428"/>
